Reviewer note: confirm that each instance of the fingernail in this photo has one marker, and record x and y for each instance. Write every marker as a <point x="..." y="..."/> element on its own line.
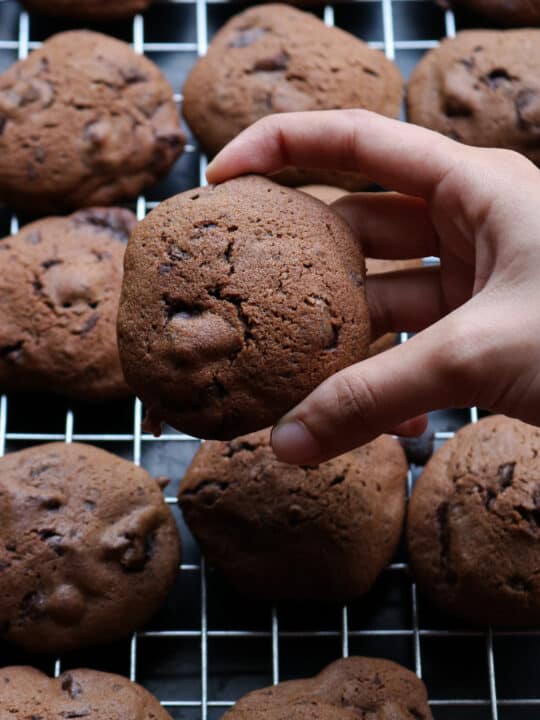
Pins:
<point x="293" y="443"/>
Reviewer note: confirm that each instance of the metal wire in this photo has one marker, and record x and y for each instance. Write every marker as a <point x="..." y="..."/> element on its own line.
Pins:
<point x="274" y="635"/>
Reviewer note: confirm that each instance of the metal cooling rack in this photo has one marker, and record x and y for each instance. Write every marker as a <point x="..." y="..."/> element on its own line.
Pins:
<point x="208" y="646"/>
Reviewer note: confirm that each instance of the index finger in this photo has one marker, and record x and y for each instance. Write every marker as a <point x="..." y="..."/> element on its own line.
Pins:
<point x="397" y="155"/>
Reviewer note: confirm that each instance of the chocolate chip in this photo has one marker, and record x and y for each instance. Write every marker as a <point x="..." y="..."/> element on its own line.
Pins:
<point x="30" y="605"/>
<point x="116" y="223"/>
<point x="498" y="77"/>
<point x="247" y="37"/>
<point x="46" y="264"/>
<point x="277" y="62"/>
<point x="12" y="352"/>
<point x="132" y="75"/>
<point x="3" y="121"/>
<point x="89" y="324"/>
<point x="366" y="70"/>
<point x="505" y="474"/>
<point x="236" y="446"/>
<point x="456" y="107"/>
<point x="71" y="686"/>
<point x="519" y="584"/>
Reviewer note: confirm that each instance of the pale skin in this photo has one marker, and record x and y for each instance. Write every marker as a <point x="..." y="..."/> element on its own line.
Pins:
<point x="477" y="316"/>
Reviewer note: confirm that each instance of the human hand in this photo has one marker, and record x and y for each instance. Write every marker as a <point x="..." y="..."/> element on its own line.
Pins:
<point x="477" y="316"/>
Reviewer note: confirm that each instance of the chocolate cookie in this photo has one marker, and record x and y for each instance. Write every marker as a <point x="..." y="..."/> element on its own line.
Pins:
<point x="88" y="9"/>
<point x="355" y="687"/>
<point x="274" y="58"/>
<point x="238" y="300"/>
<point x="28" y="693"/>
<point x="519" y="13"/>
<point x="482" y="88"/>
<point x="474" y="524"/>
<point x="84" y="121"/>
<point x="60" y="281"/>
<point x="322" y="533"/>
<point x="88" y="547"/>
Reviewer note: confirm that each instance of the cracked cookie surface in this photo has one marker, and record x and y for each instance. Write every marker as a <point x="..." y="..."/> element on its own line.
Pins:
<point x="482" y="88"/>
<point x="84" y="121"/>
<point x="280" y="531"/>
<point x="355" y="687"/>
<point x="59" y="294"/>
<point x="238" y="300"/>
<point x="474" y="524"/>
<point x="274" y="58"/>
<point x="88" y="547"/>
<point x="29" y="693"/>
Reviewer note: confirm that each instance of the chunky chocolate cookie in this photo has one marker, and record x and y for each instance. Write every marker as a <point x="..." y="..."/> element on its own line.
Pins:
<point x="88" y="9"/>
<point x="322" y="533"/>
<point x="482" y="88"/>
<point x="355" y="687"/>
<point x="237" y="301"/>
<point x="474" y="524"/>
<point x="274" y="58"/>
<point x="88" y="547"/>
<point x="60" y="281"/>
<point x="84" y="121"/>
<point x="519" y="13"/>
<point x="28" y="693"/>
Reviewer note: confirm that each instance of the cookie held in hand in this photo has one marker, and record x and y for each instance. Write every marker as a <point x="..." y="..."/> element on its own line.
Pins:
<point x="238" y="300"/>
<point x="88" y="547"/>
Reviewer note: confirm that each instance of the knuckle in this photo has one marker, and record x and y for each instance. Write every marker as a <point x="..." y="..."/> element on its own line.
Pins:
<point x="354" y="397"/>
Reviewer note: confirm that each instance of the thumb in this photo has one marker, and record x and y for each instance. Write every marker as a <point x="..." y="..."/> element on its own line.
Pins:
<point x="437" y="368"/>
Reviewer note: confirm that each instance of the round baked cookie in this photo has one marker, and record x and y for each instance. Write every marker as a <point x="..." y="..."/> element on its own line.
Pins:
<point x="507" y="13"/>
<point x="95" y="10"/>
<point x="275" y="58"/>
<point x="88" y="547"/>
<point x="354" y="687"/>
<point x="322" y="533"/>
<point x="60" y="281"/>
<point x="474" y="524"/>
<point x="84" y="121"/>
<point x="238" y="300"/>
<point x="29" y="693"/>
<point x="482" y="88"/>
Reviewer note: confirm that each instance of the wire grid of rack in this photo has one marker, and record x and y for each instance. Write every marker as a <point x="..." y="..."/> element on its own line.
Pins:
<point x="250" y="647"/>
